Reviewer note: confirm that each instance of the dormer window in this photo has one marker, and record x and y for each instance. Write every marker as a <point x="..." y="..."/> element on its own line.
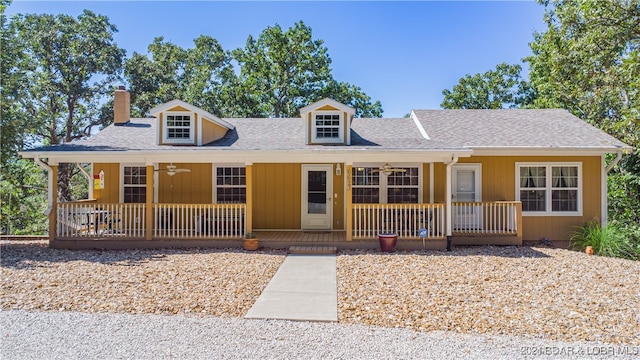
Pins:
<point x="179" y="128"/>
<point x="328" y="127"/>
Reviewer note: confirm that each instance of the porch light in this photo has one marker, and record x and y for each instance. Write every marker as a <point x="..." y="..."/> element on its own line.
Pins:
<point x="338" y="170"/>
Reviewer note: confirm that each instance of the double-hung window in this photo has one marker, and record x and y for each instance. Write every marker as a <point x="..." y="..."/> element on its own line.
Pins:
<point x="178" y="128"/>
<point x="549" y="189"/>
<point x="327" y="127"/>
<point x="134" y="182"/>
<point x="231" y="185"/>
<point x="370" y="185"/>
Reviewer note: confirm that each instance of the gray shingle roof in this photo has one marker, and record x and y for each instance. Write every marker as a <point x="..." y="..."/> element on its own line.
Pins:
<point x="514" y="128"/>
<point x="447" y="129"/>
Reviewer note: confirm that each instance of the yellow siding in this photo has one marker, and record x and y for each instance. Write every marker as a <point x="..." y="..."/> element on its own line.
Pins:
<point x="111" y="191"/>
<point x="425" y="183"/>
<point x="345" y="126"/>
<point x="211" y="131"/>
<point x="499" y="182"/>
<point x="160" y="127"/>
<point x="186" y="188"/>
<point x="338" y="202"/>
<point x="178" y="108"/>
<point x="309" y="128"/>
<point x="277" y="196"/>
<point x="326" y="107"/>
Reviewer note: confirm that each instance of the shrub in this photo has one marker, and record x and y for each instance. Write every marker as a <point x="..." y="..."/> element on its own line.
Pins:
<point x="612" y="240"/>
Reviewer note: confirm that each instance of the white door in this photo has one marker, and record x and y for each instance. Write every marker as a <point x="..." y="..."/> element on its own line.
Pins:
<point x="466" y="189"/>
<point x="317" y="187"/>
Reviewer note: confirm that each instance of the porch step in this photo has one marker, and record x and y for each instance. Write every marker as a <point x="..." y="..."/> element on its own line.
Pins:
<point x="313" y="250"/>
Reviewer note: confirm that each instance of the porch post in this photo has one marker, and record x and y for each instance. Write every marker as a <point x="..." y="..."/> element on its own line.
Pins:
<point x="349" y="221"/>
<point x="249" y="197"/>
<point x="148" y="231"/>
<point x="447" y="197"/>
<point x="53" y="188"/>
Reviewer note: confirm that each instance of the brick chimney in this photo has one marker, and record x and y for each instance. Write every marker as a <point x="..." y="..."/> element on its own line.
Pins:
<point x="121" y="106"/>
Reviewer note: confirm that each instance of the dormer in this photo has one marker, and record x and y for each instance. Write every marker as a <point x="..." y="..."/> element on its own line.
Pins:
<point x="327" y="122"/>
<point x="180" y="123"/>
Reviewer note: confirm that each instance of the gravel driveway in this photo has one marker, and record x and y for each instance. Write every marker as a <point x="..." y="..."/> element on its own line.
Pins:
<point x="469" y="302"/>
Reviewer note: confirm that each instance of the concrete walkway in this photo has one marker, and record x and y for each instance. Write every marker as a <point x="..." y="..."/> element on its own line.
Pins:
<point x="304" y="288"/>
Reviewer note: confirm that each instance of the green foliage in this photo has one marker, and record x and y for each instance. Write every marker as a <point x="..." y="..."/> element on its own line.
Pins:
<point x="283" y="71"/>
<point x="198" y="75"/>
<point x="53" y="87"/>
<point x="24" y="200"/>
<point x="611" y="240"/>
<point x="495" y="89"/>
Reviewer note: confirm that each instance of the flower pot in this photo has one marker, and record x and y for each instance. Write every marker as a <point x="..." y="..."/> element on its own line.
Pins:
<point x="388" y="242"/>
<point x="589" y="250"/>
<point x="251" y="244"/>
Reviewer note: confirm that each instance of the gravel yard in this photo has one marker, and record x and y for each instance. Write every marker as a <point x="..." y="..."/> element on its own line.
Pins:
<point x="533" y="292"/>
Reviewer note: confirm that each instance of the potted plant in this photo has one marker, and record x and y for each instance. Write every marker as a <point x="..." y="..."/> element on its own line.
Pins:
<point x="388" y="241"/>
<point x="251" y="242"/>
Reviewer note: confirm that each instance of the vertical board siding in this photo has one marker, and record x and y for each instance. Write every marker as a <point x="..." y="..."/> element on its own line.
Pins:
<point x="111" y="191"/>
<point x="277" y="196"/>
<point x="194" y="187"/>
<point x="499" y="181"/>
<point x="338" y="202"/>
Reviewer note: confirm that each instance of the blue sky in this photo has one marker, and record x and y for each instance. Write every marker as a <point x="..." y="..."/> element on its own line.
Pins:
<point x="401" y="53"/>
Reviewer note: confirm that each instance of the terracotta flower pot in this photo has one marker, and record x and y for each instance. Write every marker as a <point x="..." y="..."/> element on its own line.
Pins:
<point x="251" y="244"/>
<point x="589" y="250"/>
<point x="388" y="242"/>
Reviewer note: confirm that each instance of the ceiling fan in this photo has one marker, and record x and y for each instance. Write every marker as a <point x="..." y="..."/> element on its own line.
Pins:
<point x="172" y="170"/>
<point x="388" y="170"/>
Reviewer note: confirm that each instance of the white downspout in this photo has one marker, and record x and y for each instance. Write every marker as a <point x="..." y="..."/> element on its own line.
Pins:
<point x="448" y="201"/>
<point x="46" y="166"/>
<point x="604" y="186"/>
<point x="89" y="179"/>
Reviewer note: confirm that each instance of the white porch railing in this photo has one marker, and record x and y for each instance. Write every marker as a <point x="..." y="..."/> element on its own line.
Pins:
<point x="93" y="220"/>
<point x="403" y="219"/>
<point x="500" y="218"/>
<point x="185" y="221"/>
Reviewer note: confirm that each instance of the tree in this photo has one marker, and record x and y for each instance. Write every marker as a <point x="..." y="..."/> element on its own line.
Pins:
<point x="199" y="75"/>
<point x="495" y="89"/>
<point x="66" y="66"/>
<point x="282" y="71"/>
<point x="588" y="62"/>
<point x="353" y="96"/>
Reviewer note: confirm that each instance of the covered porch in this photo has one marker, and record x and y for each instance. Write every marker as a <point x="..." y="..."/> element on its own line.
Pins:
<point x="88" y="221"/>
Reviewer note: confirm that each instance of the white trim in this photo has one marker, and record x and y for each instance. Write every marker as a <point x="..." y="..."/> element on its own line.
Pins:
<point x="541" y="151"/>
<point x="165" y="128"/>
<point x="173" y="103"/>
<point x="324" y="102"/>
<point x="549" y="188"/>
<point x="423" y="132"/>
<point x="604" y="189"/>
<point x="314" y="130"/>
<point x="304" y="189"/>
<point x="205" y="155"/>
<point x="199" y="120"/>
<point x="122" y="166"/>
<point x="477" y="167"/>
<point x="383" y="185"/>
<point x="214" y="178"/>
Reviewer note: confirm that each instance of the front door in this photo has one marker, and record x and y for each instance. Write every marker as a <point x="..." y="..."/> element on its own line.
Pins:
<point x="317" y="187"/>
<point x="466" y="189"/>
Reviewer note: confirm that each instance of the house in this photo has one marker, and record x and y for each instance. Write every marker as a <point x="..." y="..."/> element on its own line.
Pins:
<point x="186" y="177"/>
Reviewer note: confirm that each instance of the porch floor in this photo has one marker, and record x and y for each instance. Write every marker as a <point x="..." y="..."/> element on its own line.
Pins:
<point x="302" y="236"/>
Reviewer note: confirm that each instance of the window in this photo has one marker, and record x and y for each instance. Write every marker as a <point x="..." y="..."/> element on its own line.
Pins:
<point x="327" y="127"/>
<point x="366" y="186"/>
<point x="178" y="128"/>
<point x="372" y="186"/>
<point x="546" y="189"/>
<point x="231" y="185"/>
<point x="135" y="184"/>
<point x="402" y="187"/>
